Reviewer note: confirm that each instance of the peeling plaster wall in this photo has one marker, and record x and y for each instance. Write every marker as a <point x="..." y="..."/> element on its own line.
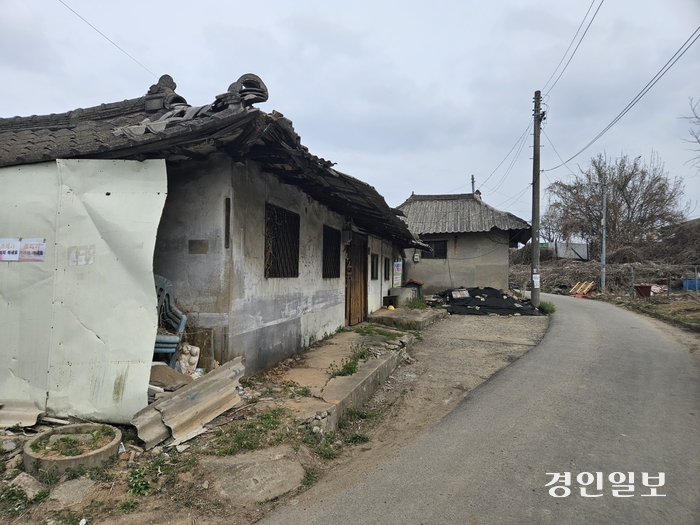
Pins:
<point x="78" y="334"/>
<point x="473" y="259"/>
<point x="262" y="319"/>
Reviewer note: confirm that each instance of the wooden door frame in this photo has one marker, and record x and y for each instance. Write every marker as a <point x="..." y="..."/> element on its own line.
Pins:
<point x="359" y="245"/>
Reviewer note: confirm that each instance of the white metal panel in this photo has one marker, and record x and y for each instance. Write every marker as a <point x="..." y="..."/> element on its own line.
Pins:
<point x="95" y="342"/>
<point x="27" y="209"/>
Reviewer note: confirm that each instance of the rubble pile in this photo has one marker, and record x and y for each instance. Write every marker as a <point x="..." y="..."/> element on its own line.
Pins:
<point x="482" y="301"/>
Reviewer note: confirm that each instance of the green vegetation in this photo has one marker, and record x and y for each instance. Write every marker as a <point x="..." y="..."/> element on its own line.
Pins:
<point x="48" y="477"/>
<point x="547" y="307"/>
<point x="356" y="438"/>
<point x="252" y="434"/>
<point x="416" y="304"/>
<point x="128" y="506"/>
<point x="67" y="446"/>
<point x="310" y="477"/>
<point x="347" y="367"/>
<point x="14" y="500"/>
<point x="138" y="483"/>
<point x="358" y="414"/>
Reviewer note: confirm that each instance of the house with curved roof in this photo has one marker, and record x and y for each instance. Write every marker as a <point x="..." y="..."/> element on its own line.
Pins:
<point x="268" y="247"/>
<point x="469" y="241"/>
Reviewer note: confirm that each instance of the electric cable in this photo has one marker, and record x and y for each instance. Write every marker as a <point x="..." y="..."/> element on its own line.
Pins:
<point x="577" y="45"/>
<point x="108" y="39"/>
<point x="668" y="65"/>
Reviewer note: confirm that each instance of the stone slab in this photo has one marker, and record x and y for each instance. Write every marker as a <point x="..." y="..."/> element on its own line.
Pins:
<point x="257" y="476"/>
<point x="71" y="492"/>
<point x="29" y="484"/>
<point x="415" y="319"/>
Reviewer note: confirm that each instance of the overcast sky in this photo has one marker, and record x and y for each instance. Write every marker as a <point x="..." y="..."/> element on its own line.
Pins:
<point x="407" y="96"/>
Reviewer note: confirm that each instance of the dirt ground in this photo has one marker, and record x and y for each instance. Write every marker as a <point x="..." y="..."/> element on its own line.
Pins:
<point x="454" y="356"/>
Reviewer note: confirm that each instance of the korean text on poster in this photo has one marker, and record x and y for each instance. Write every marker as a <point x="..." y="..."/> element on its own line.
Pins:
<point x="18" y="249"/>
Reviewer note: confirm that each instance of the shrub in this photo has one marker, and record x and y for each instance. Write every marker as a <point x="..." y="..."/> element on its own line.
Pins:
<point x="547" y="307"/>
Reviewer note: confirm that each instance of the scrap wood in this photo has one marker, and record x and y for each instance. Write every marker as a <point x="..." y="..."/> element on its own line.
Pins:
<point x="582" y="288"/>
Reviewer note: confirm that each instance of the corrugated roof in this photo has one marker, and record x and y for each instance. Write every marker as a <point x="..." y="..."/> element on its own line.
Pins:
<point x="161" y="125"/>
<point x="459" y="213"/>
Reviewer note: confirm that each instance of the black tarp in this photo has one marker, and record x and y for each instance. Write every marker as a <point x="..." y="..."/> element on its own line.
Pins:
<point x="484" y="301"/>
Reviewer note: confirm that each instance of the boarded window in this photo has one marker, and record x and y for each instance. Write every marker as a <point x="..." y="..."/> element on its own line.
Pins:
<point x="387" y="269"/>
<point x="331" y="253"/>
<point x="281" y="242"/>
<point x="439" y="250"/>
<point x="375" y="267"/>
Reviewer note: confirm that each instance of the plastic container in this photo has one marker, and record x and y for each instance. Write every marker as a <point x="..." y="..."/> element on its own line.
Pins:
<point x="691" y="284"/>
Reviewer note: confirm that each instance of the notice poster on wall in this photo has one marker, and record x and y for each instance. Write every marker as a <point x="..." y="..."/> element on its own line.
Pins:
<point x="32" y="250"/>
<point x="9" y="249"/>
<point x="18" y="249"/>
<point x="398" y="272"/>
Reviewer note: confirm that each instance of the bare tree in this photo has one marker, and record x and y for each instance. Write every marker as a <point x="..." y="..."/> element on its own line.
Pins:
<point x="642" y="199"/>
<point x="695" y="132"/>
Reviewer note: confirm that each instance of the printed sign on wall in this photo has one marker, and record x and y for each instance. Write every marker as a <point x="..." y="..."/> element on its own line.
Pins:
<point x="18" y="249"/>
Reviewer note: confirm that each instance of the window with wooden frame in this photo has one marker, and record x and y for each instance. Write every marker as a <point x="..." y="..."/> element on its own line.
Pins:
<point x="375" y="266"/>
<point x="387" y="268"/>
<point x="331" y="253"/>
<point x="281" y="242"/>
<point x="439" y="250"/>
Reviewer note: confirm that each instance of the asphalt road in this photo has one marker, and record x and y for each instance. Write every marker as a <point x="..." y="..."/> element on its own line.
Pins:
<point x="605" y="391"/>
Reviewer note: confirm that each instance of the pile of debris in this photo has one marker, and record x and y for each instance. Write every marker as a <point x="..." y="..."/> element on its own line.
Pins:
<point x="482" y="301"/>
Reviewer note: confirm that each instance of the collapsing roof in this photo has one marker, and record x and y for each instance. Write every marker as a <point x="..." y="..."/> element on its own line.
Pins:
<point x="460" y="213"/>
<point x="161" y="125"/>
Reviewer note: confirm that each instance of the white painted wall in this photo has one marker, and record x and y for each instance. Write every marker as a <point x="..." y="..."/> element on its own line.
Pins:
<point x="377" y="289"/>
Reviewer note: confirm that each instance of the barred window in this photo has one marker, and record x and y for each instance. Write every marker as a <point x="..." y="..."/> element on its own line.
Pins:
<point x="331" y="252"/>
<point x="387" y="269"/>
<point x="281" y="242"/>
<point x="439" y="250"/>
<point x="375" y="266"/>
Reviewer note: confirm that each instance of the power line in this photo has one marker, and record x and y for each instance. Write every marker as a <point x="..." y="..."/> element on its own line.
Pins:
<point x="668" y="65"/>
<point x="577" y="45"/>
<point x="520" y="139"/>
<point x="555" y="151"/>
<point x="570" y="44"/>
<point x="108" y="39"/>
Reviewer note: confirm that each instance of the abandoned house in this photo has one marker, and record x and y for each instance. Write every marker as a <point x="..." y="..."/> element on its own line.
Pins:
<point x="267" y="247"/>
<point x="469" y="241"/>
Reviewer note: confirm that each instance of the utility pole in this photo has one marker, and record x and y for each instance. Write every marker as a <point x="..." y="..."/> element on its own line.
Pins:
<point x="603" y="224"/>
<point x="473" y="184"/>
<point x="535" y="294"/>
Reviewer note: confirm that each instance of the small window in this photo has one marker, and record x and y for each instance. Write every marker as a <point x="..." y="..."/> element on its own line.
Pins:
<point x="439" y="250"/>
<point x="331" y="253"/>
<point x="281" y="242"/>
<point x="387" y="268"/>
<point x="375" y="267"/>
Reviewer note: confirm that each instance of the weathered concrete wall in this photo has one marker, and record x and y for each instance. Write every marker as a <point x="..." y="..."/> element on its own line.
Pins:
<point x="473" y="259"/>
<point x="378" y="288"/>
<point x="273" y="318"/>
<point x="262" y="319"/>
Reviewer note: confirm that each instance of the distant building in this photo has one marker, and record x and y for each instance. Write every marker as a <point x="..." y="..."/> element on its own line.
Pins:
<point x="469" y="241"/>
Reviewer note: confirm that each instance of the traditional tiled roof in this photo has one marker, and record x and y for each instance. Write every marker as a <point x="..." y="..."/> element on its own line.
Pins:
<point x="459" y="213"/>
<point x="162" y="125"/>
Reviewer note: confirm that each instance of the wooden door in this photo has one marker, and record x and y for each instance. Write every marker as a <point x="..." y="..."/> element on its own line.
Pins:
<point x="356" y="282"/>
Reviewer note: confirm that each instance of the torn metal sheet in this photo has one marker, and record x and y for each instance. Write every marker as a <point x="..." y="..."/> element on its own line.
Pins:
<point x="183" y="413"/>
<point x="15" y="412"/>
<point x="79" y="326"/>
